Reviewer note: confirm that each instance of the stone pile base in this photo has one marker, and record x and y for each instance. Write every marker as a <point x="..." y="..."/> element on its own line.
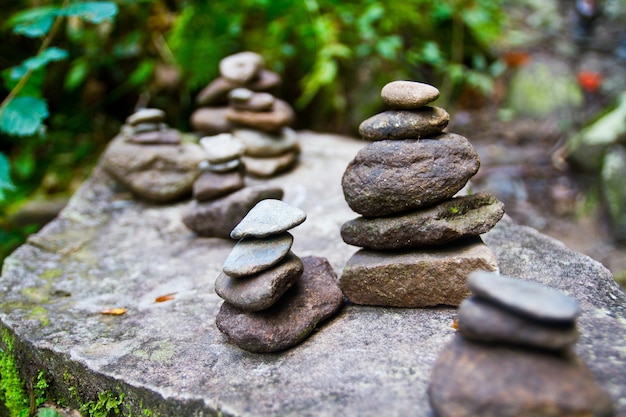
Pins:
<point x="166" y="355"/>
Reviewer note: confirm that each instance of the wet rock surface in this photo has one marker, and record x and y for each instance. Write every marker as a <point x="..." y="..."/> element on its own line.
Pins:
<point x="105" y="251"/>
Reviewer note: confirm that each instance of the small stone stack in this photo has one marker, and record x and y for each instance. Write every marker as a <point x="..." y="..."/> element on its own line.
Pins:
<point x="151" y="160"/>
<point x="273" y="299"/>
<point x="514" y="356"/>
<point x="240" y="103"/>
<point x="419" y="242"/>
<point x="221" y="199"/>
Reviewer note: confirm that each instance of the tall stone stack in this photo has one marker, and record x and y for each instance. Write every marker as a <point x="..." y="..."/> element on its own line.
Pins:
<point x="514" y="356"/>
<point x="419" y="241"/>
<point x="273" y="299"/>
<point x="239" y="101"/>
<point x="221" y="199"/>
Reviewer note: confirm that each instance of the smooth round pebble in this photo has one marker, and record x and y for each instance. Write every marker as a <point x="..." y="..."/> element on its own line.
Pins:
<point x="252" y="255"/>
<point x="263" y="144"/>
<point x="408" y="94"/>
<point x="526" y="297"/>
<point x="268" y="217"/>
<point x="241" y="67"/>
<point x="222" y="148"/>
<point x="146" y="116"/>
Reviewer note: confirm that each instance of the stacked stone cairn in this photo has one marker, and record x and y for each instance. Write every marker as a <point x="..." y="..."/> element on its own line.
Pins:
<point x="239" y="101"/>
<point x="221" y="199"/>
<point x="273" y="299"/>
<point x="419" y="243"/>
<point x="151" y="159"/>
<point x="514" y="355"/>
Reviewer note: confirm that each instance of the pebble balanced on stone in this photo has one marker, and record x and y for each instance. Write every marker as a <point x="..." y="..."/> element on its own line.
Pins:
<point x="239" y="102"/>
<point x="273" y="299"/>
<point x="513" y="356"/>
<point x="151" y="159"/>
<point x="419" y="243"/>
<point x="221" y="199"/>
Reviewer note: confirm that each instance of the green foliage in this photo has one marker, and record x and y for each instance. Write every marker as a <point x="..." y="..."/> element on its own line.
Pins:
<point x="48" y="412"/>
<point x="11" y="386"/>
<point x="107" y="405"/>
<point x="5" y="176"/>
<point x="23" y="116"/>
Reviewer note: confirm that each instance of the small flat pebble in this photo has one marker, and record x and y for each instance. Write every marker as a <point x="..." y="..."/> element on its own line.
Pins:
<point x="241" y="67"/>
<point x="240" y="95"/>
<point x="148" y="127"/>
<point x="408" y="94"/>
<point x="268" y="167"/>
<point x="222" y="148"/>
<point x="252" y="255"/>
<point x="405" y="124"/>
<point x="224" y="167"/>
<point x="146" y="116"/>
<point x="211" y="120"/>
<point x="260" y="291"/>
<point x="484" y="321"/>
<point x="272" y="121"/>
<point x="157" y="137"/>
<point x="268" y="217"/>
<point x="212" y="185"/>
<point x="525" y="297"/>
<point x="262" y="144"/>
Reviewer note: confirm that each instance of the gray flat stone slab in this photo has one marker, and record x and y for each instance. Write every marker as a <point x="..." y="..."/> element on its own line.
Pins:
<point x="105" y="252"/>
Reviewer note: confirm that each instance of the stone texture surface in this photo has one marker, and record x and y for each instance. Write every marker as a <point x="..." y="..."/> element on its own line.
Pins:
<point x="216" y="218"/>
<point x="211" y="120"/>
<point x="211" y="185"/>
<point x="313" y="298"/>
<point x="241" y="67"/>
<point x="262" y="290"/>
<point x="388" y="176"/>
<point x="445" y="222"/>
<point x="413" y="279"/>
<point x="222" y="148"/>
<point x="481" y="321"/>
<point x="408" y="94"/>
<point x="159" y="173"/>
<point x="157" y="137"/>
<point x="268" y="167"/>
<point x="146" y="116"/>
<point x="105" y="251"/>
<point x="470" y="380"/>
<point x="251" y="255"/>
<point x="272" y="121"/>
<point x="405" y="124"/>
<point x="267" y="218"/>
<point x="263" y="144"/>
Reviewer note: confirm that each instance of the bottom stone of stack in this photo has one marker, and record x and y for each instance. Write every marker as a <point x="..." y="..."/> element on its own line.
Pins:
<point x="472" y="379"/>
<point x="314" y="298"/>
<point x="416" y="278"/>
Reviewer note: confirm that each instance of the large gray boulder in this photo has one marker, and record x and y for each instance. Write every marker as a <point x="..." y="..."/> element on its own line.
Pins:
<point x="170" y="358"/>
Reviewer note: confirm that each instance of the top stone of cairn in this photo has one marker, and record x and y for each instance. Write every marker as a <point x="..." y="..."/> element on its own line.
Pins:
<point x="241" y="67"/>
<point x="408" y="95"/>
<point x="268" y="217"/>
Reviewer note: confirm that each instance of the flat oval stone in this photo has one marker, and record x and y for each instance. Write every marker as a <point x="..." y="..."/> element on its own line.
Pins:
<point x="222" y="148"/>
<point x="216" y="92"/>
<point x="262" y="144"/>
<point x="211" y="120"/>
<point x="314" y="297"/>
<point x="257" y="102"/>
<point x="393" y="176"/>
<point x="484" y="321"/>
<point x="408" y="94"/>
<point x="268" y="167"/>
<point x="241" y="67"/>
<point x="252" y="255"/>
<point x="527" y="298"/>
<point x="405" y="124"/>
<point x="222" y="168"/>
<point x="260" y="291"/>
<point x="272" y="121"/>
<point x="265" y="80"/>
<point x="146" y="116"/>
<point x="211" y="185"/>
<point x="436" y="225"/>
<point x="216" y="218"/>
<point x="240" y="95"/>
<point x="148" y="127"/>
<point x="157" y="137"/>
<point x="268" y="217"/>
<point x="474" y="379"/>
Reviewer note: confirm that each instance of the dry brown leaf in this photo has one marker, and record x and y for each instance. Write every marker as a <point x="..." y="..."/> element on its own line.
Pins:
<point x="114" y="311"/>
<point x="166" y="297"/>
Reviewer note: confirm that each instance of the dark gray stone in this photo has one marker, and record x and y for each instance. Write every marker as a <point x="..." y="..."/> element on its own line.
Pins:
<point x="146" y="116"/>
<point x="525" y="297"/>
<point x="211" y="120"/>
<point x="263" y="144"/>
<point x="216" y="218"/>
<point x="268" y="217"/>
<point x="159" y="173"/>
<point x="471" y="379"/>
<point x="405" y="124"/>
<point x="443" y="223"/>
<point x="211" y="185"/>
<point x="222" y="148"/>
<point x="408" y="94"/>
<point x="414" y="278"/>
<point x="268" y="167"/>
<point x="314" y="297"/>
<point x="483" y="321"/>
<point x="105" y="251"/>
<point x="260" y="291"/>
<point x="251" y="255"/>
<point x="393" y="176"/>
<point x="241" y="67"/>
<point x="272" y="121"/>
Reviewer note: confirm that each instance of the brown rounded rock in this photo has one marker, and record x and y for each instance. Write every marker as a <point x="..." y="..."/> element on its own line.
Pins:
<point x="241" y="67"/>
<point x="267" y="167"/>
<point x="408" y="94"/>
<point x="272" y="121"/>
<point x="405" y="124"/>
<point x="471" y="379"/>
<point x="312" y="299"/>
<point x="211" y="185"/>
<point x="436" y="225"/>
<point x="392" y="176"/>
<point x="211" y="120"/>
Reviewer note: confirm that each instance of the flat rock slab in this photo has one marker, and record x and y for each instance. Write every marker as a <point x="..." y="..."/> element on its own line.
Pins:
<point x="105" y="252"/>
